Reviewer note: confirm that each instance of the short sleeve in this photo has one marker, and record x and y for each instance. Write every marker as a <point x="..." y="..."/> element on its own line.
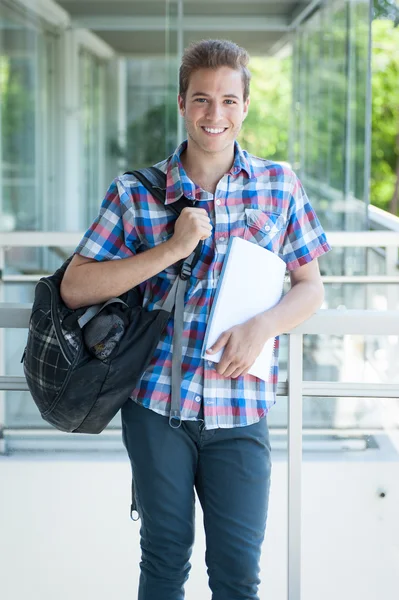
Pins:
<point x="112" y="234"/>
<point x="304" y="238"/>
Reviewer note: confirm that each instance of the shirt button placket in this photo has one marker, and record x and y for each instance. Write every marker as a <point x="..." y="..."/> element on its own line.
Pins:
<point x="222" y="238"/>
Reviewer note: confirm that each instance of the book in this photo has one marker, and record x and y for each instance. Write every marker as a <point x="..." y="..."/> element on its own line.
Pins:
<point x="251" y="282"/>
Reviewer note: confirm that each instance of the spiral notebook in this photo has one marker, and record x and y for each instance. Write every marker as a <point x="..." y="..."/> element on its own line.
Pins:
<point x="251" y="282"/>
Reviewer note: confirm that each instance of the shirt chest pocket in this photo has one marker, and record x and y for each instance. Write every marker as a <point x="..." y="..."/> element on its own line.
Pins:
<point x="264" y="229"/>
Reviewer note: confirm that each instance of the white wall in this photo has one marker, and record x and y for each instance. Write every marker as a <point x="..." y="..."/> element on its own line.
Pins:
<point x="66" y="533"/>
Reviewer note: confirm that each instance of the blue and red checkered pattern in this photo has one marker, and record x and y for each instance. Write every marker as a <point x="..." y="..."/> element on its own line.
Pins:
<point x="258" y="200"/>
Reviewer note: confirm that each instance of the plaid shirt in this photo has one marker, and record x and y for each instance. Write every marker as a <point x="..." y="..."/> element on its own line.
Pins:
<point x="258" y="200"/>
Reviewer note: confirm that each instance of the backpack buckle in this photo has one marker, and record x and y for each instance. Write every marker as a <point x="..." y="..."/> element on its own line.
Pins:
<point x="185" y="271"/>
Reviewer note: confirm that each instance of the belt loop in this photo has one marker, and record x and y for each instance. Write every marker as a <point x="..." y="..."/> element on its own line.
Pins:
<point x="175" y="415"/>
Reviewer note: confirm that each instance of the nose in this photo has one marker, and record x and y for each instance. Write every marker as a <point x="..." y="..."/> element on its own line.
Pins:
<point x="214" y="112"/>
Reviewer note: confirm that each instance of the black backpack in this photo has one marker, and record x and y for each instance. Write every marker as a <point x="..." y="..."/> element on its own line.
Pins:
<point x="81" y="365"/>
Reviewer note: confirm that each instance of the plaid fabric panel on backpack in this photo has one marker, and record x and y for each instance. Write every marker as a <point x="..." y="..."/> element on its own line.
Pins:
<point x="45" y="367"/>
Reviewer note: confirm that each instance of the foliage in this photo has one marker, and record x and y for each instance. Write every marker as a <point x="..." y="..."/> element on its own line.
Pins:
<point x="386" y="9"/>
<point x="152" y="138"/>
<point x="17" y="112"/>
<point x="385" y="113"/>
<point x="266" y="129"/>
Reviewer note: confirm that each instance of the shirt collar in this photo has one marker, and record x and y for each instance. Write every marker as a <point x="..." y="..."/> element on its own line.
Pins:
<point x="178" y="183"/>
<point x="241" y="162"/>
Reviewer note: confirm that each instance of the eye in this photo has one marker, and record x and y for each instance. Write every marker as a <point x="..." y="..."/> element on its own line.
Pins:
<point x="229" y="101"/>
<point x="200" y="100"/>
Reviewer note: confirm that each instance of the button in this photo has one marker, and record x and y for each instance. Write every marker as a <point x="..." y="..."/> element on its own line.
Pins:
<point x="218" y="202"/>
<point x="198" y="398"/>
<point x="222" y="239"/>
<point x="267" y="227"/>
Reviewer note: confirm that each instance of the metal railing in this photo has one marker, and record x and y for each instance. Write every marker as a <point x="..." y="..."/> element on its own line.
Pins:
<point x="333" y="322"/>
<point x="388" y="240"/>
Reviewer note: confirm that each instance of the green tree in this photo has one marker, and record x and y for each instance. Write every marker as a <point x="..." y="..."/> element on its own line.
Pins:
<point x="384" y="183"/>
<point x="152" y="137"/>
<point x="266" y="129"/>
<point x="386" y="9"/>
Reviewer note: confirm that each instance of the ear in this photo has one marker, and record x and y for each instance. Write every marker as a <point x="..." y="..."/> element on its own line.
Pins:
<point x="181" y="104"/>
<point x="246" y="107"/>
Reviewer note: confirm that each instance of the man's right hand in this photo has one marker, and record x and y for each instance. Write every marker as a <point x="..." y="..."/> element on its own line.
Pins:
<point x="192" y="226"/>
<point x="88" y="281"/>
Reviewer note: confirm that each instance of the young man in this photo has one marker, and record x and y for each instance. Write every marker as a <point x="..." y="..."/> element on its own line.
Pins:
<point x="222" y="448"/>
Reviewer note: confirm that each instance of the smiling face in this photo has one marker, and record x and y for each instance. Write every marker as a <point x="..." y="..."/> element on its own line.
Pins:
<point x="214" y="109"/>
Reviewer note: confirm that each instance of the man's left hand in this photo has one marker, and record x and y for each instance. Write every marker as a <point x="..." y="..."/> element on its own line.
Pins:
<point x="242" y="346"/>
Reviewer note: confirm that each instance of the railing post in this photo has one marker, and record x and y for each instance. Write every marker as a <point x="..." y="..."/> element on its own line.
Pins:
<point x="391" y="268"/>
<point x="295" y="379"/>
<point x="2" y="353"/>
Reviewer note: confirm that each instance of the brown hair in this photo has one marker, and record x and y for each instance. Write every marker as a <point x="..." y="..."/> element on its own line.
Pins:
<point x="212" y="54"/>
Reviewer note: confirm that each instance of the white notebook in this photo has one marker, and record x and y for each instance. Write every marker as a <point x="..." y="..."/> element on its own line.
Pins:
<point x="251" y="282"/>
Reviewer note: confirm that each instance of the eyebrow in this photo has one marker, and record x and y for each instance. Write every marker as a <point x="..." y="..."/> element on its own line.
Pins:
<point x="207" y="95"/>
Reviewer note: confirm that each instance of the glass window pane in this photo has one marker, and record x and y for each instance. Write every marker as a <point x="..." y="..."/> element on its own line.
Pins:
<point x="92" y="73"/>
<point x="329" y="143"/>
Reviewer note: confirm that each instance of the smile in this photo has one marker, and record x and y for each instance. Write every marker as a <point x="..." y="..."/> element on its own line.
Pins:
<point x="214" y="130"/>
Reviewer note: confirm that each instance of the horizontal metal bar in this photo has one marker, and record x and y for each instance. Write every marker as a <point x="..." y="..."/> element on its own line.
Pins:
<point x="69" y="239"/>
<point x="332" y="389"/>
<point x="319" y="389"/>
<point x="18" y="384"/>
<point x="14" y="316"/>
<point x="363" y="239"/>
<point x="281" y="432"/>
<point x="13" y="384"/>
<point x="41" y="239"/>
<point x="190" y="23"/>
<point x="333" y="322"/>
<point x="363" y="279"/>
<point x="23" y="278"/>
<point x="351" y="322"/>
<point x="42" y="440"/>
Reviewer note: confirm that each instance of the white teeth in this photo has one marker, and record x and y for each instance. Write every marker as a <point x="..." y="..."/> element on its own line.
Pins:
<point x="209" y="130"/>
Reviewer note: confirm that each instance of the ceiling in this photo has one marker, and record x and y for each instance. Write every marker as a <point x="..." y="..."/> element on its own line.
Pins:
<point x="137" y="27"/>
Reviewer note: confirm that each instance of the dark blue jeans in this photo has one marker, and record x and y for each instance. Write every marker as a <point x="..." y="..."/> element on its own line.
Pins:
<point x="230" y="470"/>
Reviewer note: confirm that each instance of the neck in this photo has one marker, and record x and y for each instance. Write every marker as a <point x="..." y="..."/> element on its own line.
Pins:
<point x="201" y="166"/>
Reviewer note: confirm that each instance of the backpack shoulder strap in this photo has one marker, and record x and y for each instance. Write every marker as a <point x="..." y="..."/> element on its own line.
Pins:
<point x="154" y="180"/>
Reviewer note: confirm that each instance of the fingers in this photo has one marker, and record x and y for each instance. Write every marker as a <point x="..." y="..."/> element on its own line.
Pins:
<point x="220" y="343"/>
<point x="198" y="217"/>
<point x="231" y="363"/>
<point x="236" y="373"/>
<point x="206" y="231"/>
<point x="194" y="209"/>
<point x="232" y="370"/>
